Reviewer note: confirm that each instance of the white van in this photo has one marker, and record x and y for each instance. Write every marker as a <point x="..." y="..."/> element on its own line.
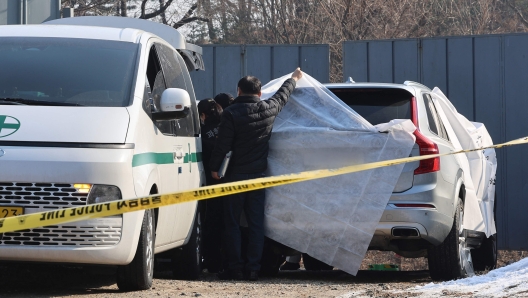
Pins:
<point x="91" y="114"/>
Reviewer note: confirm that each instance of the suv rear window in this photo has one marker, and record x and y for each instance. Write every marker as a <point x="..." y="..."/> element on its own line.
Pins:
<point x="377" y="105"/>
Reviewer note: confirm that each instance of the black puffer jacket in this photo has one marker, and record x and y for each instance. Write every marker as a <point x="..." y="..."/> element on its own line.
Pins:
<point x="245" y="129"/>
<point x="209" y="131"/>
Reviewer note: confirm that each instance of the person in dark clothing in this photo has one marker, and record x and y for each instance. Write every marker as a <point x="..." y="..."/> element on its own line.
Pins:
<point x="210" y="113"/>
<point x="245" y="129"/>
<point x="224" y="99"/>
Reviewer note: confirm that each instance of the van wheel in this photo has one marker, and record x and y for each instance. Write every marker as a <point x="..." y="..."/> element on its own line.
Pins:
<point x="451" y="259"/>
<point x="187" y="260"/>
<point x="139" y="273"/>
<point x="312" y="264"/>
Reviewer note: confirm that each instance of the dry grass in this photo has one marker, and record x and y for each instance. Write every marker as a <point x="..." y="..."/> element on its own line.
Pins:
<point x="505" y="257"/>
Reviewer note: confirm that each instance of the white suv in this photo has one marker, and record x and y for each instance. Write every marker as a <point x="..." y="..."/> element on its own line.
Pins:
<point x="424" y="214"/>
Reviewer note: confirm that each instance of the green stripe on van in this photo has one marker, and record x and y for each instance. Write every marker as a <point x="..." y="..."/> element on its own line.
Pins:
<point x="199" y="156"/>
<point x="152" y="157"/>
<point x="162" y="158"/>
<point x="194" y="157"/>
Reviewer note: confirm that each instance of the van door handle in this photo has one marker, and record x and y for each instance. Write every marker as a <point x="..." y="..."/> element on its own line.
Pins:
<point x="178" y="154"/>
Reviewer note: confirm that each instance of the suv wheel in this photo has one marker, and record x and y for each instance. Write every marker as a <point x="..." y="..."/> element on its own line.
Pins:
<point x="139" y="273"/>
<point x="451" y="259"/>
<point x="187" y="260"/>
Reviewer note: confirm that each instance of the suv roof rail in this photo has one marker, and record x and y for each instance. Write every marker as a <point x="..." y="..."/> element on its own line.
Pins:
<point x="412" y="83"/>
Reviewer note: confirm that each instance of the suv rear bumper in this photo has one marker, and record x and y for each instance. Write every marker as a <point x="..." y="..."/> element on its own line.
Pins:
<point x="432" y="223"/>
<point x="408" y="238"/>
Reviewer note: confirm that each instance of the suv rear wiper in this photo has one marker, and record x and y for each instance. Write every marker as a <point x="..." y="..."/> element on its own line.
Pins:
<point x="33" y="102"/>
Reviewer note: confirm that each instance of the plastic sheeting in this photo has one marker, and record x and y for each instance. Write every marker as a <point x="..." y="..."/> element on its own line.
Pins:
<point x="479" y="167"/>
<point x="332" y="219"/>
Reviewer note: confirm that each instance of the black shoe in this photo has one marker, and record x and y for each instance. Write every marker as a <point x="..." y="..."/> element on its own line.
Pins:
<point x="290" y="266"/>
<point x="230" y="275"/>
<point x="213" y="267"/>
<point x="252" y="276"/>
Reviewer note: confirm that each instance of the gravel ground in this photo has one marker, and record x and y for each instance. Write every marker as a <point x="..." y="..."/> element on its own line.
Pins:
<point x="29" y="280"/>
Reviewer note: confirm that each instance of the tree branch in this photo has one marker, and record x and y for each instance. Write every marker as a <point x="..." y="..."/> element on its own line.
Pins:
<point x="189" y="20"/>
<point x="519" y="13"/>
<point x="143" y="3"/>
<point x="155" y="13"/>
<point x="163" y="16"/>
<point x="190" y="11"/>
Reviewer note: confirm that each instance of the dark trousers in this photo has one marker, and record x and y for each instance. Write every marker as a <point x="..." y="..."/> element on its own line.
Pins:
<point x="213" y="229"/>
<point x="252" y="203"/>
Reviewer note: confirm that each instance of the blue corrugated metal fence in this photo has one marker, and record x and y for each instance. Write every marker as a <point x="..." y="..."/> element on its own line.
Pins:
<point x="226" y="64"/>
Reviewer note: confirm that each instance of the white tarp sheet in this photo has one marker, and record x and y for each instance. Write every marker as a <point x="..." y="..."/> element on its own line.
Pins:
<point x="479" y="167"/>
<point x="332" y="219"/>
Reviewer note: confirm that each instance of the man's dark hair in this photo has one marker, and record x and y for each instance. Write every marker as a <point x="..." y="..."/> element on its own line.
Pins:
<point x="206" y="106"/>
<point x="224" y="99"/>
<point x="249" y="85"/>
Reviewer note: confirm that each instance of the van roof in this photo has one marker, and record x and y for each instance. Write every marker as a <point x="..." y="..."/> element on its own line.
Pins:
<point x="62" y="31"/>
<point x="167" y="33"/>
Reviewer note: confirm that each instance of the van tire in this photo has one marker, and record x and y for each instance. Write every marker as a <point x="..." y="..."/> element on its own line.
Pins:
<point x="445" y="260"/>
<point x="187" y="260"/>
<point x="139" y="273"/>
<point x="312" y="264"/>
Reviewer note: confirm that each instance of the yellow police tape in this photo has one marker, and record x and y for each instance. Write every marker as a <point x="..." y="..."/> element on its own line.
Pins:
<point x="60" y="216"/>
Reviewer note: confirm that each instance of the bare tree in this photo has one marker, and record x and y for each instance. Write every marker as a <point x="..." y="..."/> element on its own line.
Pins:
<point x="189" y="18"/>
<point x="319" y="21"/>
<point x="147" y="9"/>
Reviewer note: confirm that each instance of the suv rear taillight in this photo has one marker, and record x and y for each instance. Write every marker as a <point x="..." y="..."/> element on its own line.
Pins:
<point x="427" y="147"/>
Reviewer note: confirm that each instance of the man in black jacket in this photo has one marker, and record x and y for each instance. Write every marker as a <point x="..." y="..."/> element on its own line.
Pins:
<point x="245" y="128"/>
<point x="210" y="112"/>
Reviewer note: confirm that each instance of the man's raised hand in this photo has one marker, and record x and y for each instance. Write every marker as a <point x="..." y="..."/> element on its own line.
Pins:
<point x="297" y="74"/>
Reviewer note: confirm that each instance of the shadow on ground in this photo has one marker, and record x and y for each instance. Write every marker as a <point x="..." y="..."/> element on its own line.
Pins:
<point x="43" y="280"/>
<point x="31" y="280"/>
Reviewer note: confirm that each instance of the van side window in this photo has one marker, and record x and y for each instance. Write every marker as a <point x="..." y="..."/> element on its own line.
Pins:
<point x="190" y="89"/>
<point x="174" y="76"/>
<point x="156" y="84"/>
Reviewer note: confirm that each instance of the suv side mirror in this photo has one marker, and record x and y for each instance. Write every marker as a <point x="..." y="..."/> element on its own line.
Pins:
<point x="175" y="103"/>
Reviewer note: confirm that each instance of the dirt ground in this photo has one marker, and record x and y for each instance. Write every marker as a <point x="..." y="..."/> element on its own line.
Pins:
<point x="28" y="280"/>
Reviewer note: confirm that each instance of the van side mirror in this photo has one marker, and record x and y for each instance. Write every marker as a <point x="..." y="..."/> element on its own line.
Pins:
<point x="175" y="103"/>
